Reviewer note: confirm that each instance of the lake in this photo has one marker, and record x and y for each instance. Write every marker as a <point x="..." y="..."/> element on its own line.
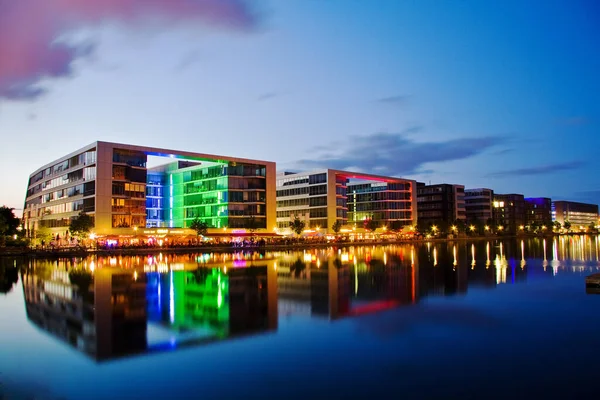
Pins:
<point x="471" y="319"/>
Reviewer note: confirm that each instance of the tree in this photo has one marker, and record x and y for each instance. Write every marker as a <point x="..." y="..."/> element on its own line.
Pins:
<point x="43" y="234"/>
<point x="556" y="225"/>
<point x="3" y="225"/>
<point x="337" y="226"/>
<point x="253" y="224"/>
<point x="459" y="226"/>
<point x="567" y="225"/>
<point x="200" y="227"/>
<point x="592" y="228"/>
<point x="8" y="221"/>
<point x="396" y="226"/>
<point x="297" y="225"/>
<point x="371" y="224"/>
<point x="81" y="225"/>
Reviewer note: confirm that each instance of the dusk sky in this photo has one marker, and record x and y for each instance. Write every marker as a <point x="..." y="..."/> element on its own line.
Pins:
<point x="504" y="95"/>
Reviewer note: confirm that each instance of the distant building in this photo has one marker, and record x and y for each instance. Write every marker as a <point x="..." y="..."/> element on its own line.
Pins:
<point x="442" y="203"/>
<point x="479" y="204"/>
<point x="538" y="211"/>
<point x="509" y="211"/>
<point x="578" y="214"/>
<point x="322" y="197"/>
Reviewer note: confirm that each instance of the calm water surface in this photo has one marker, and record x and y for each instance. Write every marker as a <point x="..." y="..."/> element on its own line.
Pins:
<point x="497" y="319"/>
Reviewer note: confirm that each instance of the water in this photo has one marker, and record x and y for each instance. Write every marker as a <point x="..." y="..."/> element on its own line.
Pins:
<point x="480" y="319"/>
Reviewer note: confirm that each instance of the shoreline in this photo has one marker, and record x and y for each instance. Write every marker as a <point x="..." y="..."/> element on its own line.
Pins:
<point x="79" y="252"/>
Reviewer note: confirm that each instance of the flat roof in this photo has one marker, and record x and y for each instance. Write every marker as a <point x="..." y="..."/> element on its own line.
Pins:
<point x="347" y="174"/>
<point x="156" y="151"/>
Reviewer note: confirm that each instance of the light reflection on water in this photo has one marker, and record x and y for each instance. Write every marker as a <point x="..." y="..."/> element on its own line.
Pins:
<point x="120" y="306"/>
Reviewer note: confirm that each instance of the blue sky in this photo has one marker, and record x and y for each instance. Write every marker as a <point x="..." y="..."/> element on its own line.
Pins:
<point x="504" y="95"/>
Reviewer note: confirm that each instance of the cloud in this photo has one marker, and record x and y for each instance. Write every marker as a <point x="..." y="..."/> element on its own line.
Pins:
<point x="396" y="153"/>
<point x="394" y="100"/>
<point x="188" y="60"/>
<point x="268" y="96"/>
<point x="32" y="32"/>
<point x="502" y="152"/>
<point x="574" y="121"/>
<point x="541" y="170"/>
<point x="589" y="196"/>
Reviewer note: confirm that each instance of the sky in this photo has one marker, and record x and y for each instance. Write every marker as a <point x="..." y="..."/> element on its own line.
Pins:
<point x="503" y="95"/>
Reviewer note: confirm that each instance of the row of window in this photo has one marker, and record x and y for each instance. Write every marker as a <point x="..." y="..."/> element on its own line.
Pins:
<point x="57" y="223"/>
<point x="131" y="206"/>
<point x="206" y="185"/>
<point x="206" y="212"/>
<point x="136" y="190"/>
<point x="380" y="215"/>
<point x="377" y="187"/>
<point x="87" y="174"/>
<point x="379" y="196"/>
<point x="86" y="205"/>
<point x="485" y="193"/>
<point x="127" y="221"/>
<point x="246" y="170"/>
<point x="387" y="205"/>
<point x="86" y="158"/>
<point x="130" y="157"/>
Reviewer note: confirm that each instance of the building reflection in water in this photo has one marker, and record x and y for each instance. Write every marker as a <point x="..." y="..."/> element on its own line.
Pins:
<point x="112" y="311"/>
<point x="109" y="307"/>
<point x="347" y="282"/>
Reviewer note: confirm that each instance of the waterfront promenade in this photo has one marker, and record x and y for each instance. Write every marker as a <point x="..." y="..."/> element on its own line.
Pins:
<point x="289" y="245"/>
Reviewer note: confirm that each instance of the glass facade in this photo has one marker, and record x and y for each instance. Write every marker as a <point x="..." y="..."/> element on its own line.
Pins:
<point x="57" y="194"/>
<point x="387" y="203"/>
<point x="220" y="194"/>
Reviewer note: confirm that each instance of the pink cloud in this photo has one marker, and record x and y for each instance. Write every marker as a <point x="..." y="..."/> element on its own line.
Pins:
<point x="29" y="29"/>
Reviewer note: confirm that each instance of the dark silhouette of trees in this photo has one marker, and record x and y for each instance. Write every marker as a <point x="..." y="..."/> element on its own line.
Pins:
<point x="297" y="226"/>
<point x="200" y="227"/>
<point x="337" y="225"/>
<point x="81" y="225"/>
<point x="8" y="221"/>
<point x="371" y="224"/>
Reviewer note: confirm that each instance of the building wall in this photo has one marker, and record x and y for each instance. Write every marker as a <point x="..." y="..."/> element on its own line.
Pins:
<point x="538" y="211"/>
<point x="388" y="203"/>
<point x="443" y="203"/>
<point x="59" y="191"/>
<point x="509" y="211"/>
<point x="578" y="214"/>
<point x="478" y="204"/>
<point x="320" y="198"/>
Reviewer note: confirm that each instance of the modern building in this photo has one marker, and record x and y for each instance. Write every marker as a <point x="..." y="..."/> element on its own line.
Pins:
<point x="578" y="214"/>
<point x="509" y="212"/>
<point x="440" y="204"/>
<point x="112" y="183"/>
<point x="479" y="204"/>
<point x="322" y="197"/>
<point x="538" y="212"/>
